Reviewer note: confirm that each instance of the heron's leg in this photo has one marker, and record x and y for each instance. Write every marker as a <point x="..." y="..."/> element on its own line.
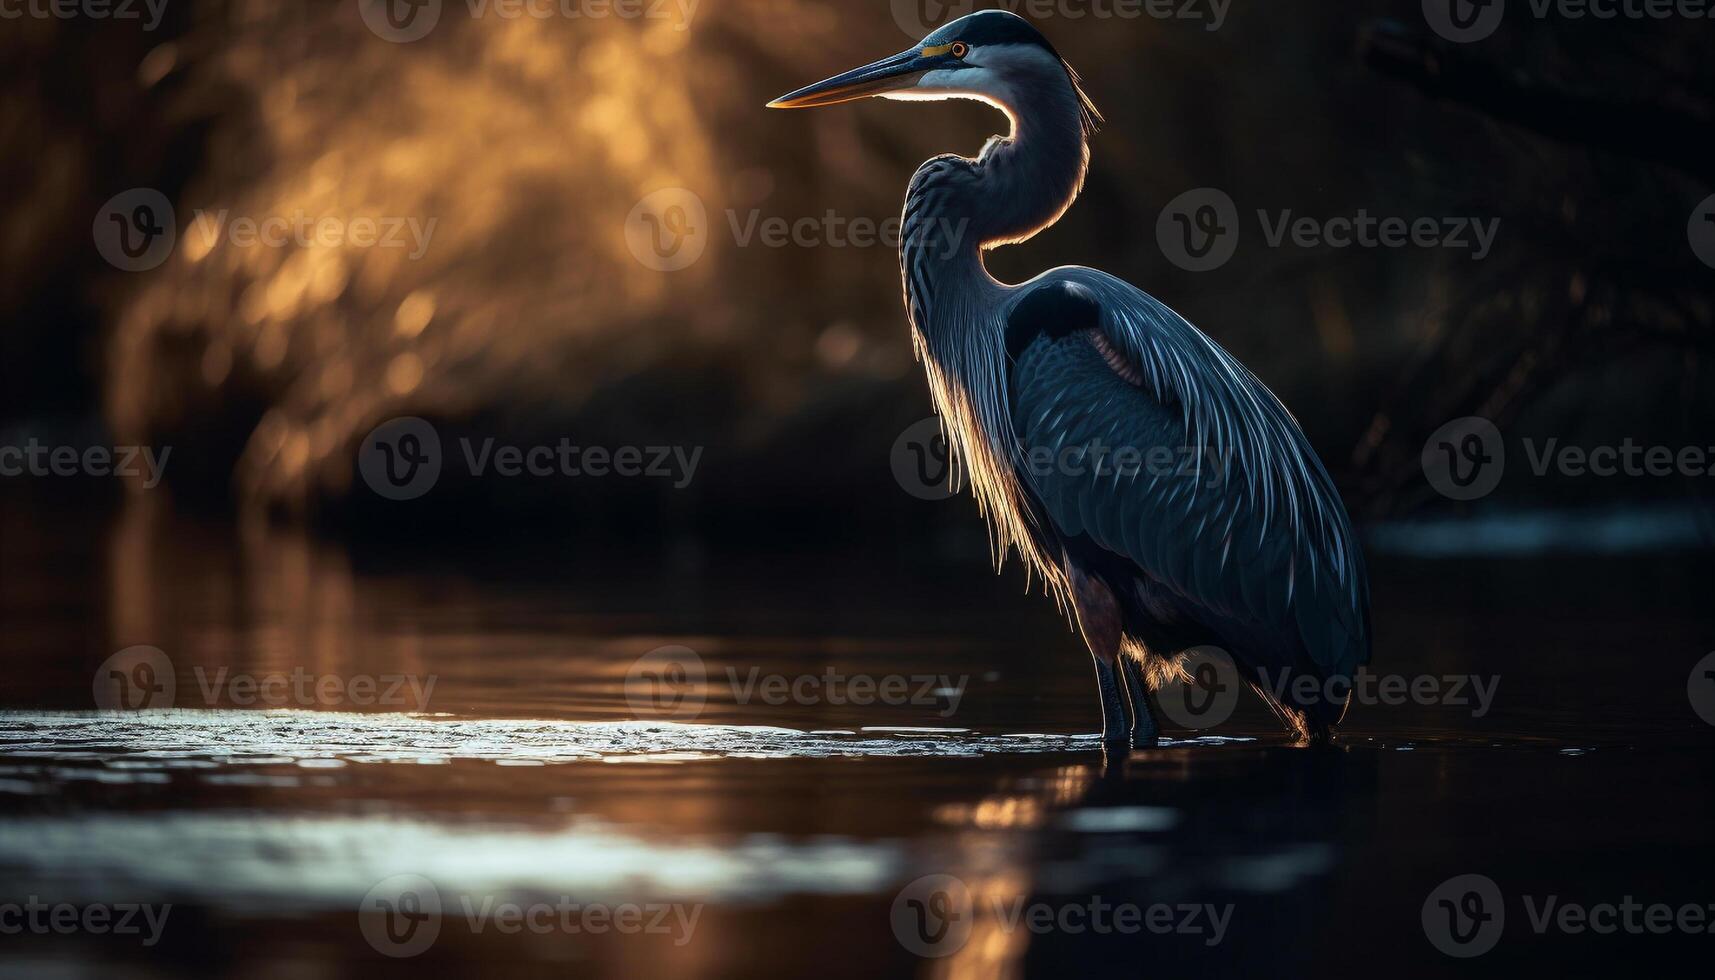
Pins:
<point x="1099" y="622"/>
<point x="1113" y="708"/>
<point x="1143" y="730"/>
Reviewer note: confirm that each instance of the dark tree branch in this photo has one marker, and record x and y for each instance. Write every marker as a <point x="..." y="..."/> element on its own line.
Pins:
<point x="1642" y="130"/>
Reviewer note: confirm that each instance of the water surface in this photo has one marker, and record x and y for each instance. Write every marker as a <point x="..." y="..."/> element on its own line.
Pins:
<point x="793" y="833"/>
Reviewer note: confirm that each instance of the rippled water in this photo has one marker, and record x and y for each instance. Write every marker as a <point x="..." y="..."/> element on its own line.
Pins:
<point x="794" y="838"/>
<point x="143" y="740"/>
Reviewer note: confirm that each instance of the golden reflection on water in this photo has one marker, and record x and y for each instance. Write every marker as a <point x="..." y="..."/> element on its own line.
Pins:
<point x="284" y="600"/>
<point x="1026" y="806"/>
<point x="988" y="843"/>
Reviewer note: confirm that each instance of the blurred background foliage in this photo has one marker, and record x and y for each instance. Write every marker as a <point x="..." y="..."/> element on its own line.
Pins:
<point x="528" y="141"/>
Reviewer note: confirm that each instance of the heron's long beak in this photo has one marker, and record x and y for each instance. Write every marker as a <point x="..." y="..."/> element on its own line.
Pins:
<point x="887" y="75"/>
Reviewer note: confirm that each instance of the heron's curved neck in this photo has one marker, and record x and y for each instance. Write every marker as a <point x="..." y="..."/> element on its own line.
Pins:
<point x="1028" y="179"/>
<point x="1019" y="185"/>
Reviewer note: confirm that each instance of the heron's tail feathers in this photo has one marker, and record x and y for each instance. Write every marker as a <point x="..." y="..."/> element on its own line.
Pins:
<point x="1158" y="670"/>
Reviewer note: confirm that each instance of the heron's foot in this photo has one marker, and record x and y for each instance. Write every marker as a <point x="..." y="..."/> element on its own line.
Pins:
<point x="1116" y="737"/>
<point x="1144" y="734"/>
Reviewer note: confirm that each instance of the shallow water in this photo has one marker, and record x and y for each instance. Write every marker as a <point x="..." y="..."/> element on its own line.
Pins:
<point x="508" y="765"/>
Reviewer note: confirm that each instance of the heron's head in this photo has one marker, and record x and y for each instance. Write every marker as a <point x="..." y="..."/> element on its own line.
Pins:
<point x="993" y="56"/>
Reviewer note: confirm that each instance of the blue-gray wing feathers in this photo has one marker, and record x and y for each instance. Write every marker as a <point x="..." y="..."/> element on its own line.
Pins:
<point x="1224" y="501"/>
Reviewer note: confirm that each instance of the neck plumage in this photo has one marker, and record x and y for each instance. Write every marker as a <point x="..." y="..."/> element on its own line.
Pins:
<point x="1019" y="185"/>
<point x="955" y="209"/>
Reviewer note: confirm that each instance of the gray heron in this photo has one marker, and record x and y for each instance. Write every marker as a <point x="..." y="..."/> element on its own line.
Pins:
<point x="1252" y="553"/>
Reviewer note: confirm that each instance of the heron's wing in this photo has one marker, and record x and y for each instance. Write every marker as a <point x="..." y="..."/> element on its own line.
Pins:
<point x="1223" y="502"/>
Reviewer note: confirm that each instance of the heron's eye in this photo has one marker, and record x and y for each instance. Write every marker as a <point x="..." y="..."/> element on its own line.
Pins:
<point x="960" y="49"/>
